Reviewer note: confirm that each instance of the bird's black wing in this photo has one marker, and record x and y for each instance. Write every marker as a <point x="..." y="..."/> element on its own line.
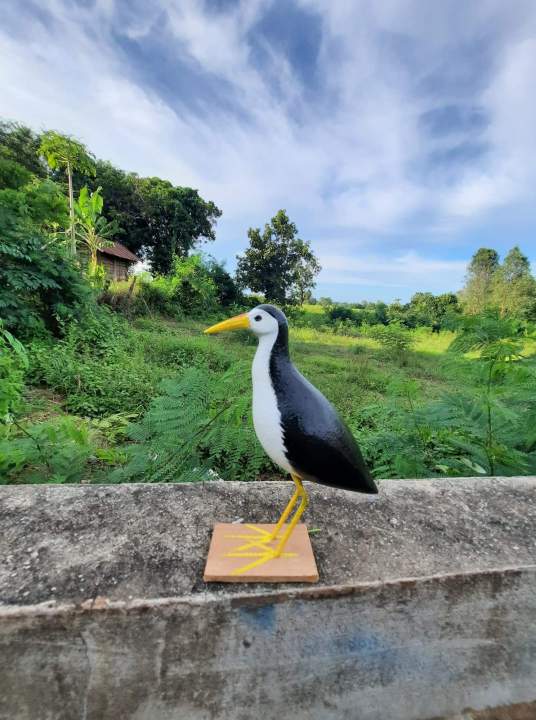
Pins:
<point x="319" y="445"/>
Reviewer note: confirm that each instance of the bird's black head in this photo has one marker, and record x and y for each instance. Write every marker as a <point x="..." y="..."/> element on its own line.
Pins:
<point x="276" y="313"/>
<point x="264" y="315"/>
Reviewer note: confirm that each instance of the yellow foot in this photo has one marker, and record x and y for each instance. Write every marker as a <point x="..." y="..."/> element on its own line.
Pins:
<point x="260" y="539"/>
<point x="262" y="557"/>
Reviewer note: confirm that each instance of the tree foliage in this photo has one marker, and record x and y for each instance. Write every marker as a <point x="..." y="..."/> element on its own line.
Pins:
<point x="508" y="287"/>
<point x="21" y="145"/>
<point x="13" y="363"/>
<point x="158" y="219"/>
<point x="62" y="151"/>
<point x="277" y="263"/>
<point x="227" y="291"/>
<point x="514" y="289"/>
<point x="479" y="281"/>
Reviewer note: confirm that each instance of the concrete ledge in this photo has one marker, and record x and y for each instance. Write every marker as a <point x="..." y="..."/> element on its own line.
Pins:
<point x="426" y="605"/>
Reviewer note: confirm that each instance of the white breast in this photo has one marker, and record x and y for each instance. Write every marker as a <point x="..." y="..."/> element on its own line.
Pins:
<point x="266" y="415"/>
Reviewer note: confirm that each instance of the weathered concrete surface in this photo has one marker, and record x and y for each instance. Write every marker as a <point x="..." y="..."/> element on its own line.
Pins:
<point x="426" y="605"/>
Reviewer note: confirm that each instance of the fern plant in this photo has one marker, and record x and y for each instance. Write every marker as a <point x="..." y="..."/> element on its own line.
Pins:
<point x="199" y="428"/>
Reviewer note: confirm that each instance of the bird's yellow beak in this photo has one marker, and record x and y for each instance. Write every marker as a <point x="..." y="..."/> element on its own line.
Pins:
<point x="238" y="322"/>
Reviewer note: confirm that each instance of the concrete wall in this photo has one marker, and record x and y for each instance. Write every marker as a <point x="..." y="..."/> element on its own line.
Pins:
<point x="426" y="605"/>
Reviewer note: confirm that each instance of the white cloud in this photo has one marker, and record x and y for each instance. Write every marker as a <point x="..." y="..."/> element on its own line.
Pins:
<point x="350" y="156"/>
<point x="405" y="271"/>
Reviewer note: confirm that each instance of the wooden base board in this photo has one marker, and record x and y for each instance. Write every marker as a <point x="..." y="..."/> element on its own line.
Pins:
<point x="237" y="554"/>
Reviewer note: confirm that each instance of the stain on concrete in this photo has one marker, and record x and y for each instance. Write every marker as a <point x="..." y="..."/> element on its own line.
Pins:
<point x="260" y="618"/>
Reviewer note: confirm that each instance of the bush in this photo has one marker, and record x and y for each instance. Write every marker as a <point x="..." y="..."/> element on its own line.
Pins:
<point x="156" y="296"/>
<point x="340" y="312"/>
<point x="188" y="290"/>
<point x="393" y="338"/>
<point x="96" y="367"/>
<point x="13" y="363"/>
<point x="101" y="366"/>
<point x="485" y="426"/>
<point x="194" y="287"/>
<point x="40" y="289"/>
<point x="227" y="291"/>
<point x="53" y="451"/>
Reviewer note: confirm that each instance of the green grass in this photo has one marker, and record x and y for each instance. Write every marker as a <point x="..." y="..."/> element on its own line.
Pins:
<point x="103" y="387"/>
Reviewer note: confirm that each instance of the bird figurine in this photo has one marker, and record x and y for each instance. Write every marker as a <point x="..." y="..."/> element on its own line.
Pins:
<point x="298" y="428"/>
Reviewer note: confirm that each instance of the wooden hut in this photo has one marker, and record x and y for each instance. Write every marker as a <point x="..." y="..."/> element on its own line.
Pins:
<point x="117" y="260"/>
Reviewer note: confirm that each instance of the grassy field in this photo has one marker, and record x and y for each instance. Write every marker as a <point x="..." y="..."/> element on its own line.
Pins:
<point x="103" y="393"/>
<point x="84" y="392"/>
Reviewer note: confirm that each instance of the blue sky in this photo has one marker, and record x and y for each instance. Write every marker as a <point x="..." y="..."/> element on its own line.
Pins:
<point x="399" y="135"/>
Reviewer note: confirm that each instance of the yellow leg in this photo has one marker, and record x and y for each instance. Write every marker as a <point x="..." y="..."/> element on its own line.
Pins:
<point x="263" y="536"/>
<point x="268" y="553"/>
<point x="300" y="490"/>
<point x="286" y="512"/>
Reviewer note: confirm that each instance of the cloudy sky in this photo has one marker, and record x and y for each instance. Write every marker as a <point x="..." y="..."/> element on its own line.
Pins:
<point x="399" y="135"/>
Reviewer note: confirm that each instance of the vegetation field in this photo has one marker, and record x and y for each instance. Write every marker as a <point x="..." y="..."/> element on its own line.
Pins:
<point x="123" y="404"/>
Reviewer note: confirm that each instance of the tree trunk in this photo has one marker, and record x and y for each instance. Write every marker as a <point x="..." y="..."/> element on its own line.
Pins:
<point x="93" y="262"/>
<point x="71" y="208"/>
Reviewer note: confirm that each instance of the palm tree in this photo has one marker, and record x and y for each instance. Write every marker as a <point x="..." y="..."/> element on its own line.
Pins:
<point x="61" y="151"/>
<point x="92" y="228"/>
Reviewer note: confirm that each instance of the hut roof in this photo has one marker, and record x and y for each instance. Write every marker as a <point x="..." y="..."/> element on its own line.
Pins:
<point x="120" y="251"/>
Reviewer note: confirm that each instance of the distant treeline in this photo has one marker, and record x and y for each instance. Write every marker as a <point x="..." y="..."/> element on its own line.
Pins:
<point x="507" y="288"/>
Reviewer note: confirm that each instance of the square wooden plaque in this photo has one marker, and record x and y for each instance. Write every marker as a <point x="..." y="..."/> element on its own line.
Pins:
<point x="237" y="554"/>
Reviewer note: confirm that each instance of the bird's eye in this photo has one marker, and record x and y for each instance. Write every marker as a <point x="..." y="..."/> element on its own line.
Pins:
<point x="258" y="317"/>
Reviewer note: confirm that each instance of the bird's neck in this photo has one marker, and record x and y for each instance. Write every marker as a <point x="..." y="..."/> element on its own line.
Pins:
<point x="280" y="346"/>
<point x="270" y="350"/>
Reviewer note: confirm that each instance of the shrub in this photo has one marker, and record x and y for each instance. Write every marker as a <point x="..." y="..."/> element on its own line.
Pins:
<point x="194" y="287"/>
<point x="97" y="367"/>
<point x="13" y="363"/>
<point x="393" y="338"/>
<point x="227" y="291"/>
<point x="340" y="312"/>
<point x="53" y="451"/>
<point x="156" y="296"/>
<point x="40" y="288"/>
<point x="485" y="426"/>
<point x="101" y="366"/>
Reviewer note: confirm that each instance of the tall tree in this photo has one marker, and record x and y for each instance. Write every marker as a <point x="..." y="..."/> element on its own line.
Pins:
<point x="427" y="309"/>
<point x="123" y="202"/>
<point x="514" y="289"/>
<point x="21" y="144"/>
<point x="176" y="219"/>
<point x="158" y="220"/>
<point x="477" y="293"/>
<point x="66" y="153"/>
<point x="278" y="263"/>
